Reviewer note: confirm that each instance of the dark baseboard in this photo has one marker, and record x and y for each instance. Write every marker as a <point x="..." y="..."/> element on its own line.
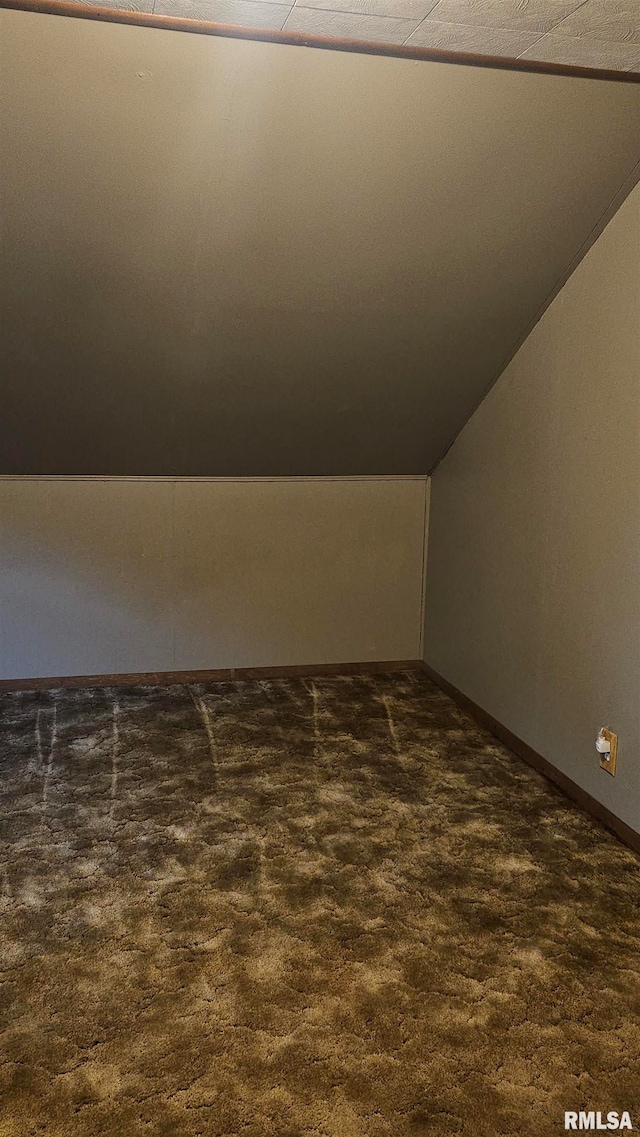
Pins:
<point x="542" y="765"/>
<point x="222" y="675"/>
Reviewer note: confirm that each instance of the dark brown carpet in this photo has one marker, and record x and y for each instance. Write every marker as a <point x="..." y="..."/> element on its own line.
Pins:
<point x="330" y="908"/>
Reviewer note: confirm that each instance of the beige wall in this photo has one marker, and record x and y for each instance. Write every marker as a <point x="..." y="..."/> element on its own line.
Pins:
<point x="533" y="581"/>
<point x="126" y="575"/>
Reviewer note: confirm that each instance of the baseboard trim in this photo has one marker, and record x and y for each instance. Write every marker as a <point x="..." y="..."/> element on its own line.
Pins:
<point x="570" y="788"/>
<point x="221" y="675"/>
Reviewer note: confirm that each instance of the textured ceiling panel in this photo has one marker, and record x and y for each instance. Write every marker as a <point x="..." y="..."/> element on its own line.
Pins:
<point x="517" y="15"/>
<point x="583" y="30"/>
<point x="466" y="37"/>
<point x="224" y="257"/>
<point x="585" y="52"/>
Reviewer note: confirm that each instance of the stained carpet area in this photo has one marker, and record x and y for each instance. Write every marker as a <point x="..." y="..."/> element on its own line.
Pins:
<point x="301" y="908"/>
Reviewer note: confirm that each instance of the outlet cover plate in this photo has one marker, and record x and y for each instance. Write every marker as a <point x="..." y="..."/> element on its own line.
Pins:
<point x="612" y="739"/>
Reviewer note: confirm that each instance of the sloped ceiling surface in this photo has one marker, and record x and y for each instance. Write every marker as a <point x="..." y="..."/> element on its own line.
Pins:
<point x="228" y="258"/>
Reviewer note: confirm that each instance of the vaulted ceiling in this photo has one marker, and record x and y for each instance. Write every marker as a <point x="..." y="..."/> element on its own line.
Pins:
<point x="231" y="258"/>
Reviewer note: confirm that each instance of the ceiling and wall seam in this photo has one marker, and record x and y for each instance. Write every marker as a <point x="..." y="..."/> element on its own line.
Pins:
<point x="606" y="40"/>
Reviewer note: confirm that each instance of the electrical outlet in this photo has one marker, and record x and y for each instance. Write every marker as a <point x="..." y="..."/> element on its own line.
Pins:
<point x="608" y="761"/>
